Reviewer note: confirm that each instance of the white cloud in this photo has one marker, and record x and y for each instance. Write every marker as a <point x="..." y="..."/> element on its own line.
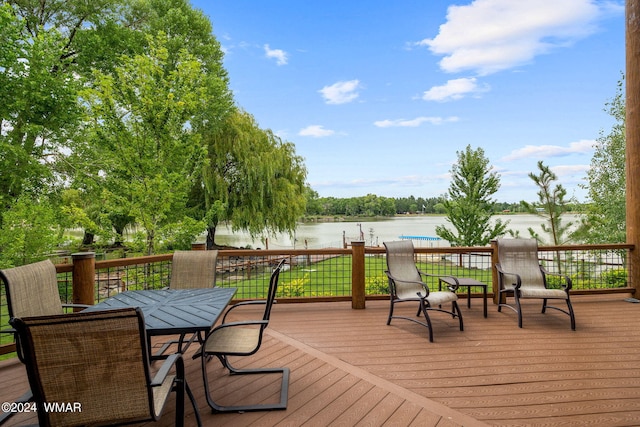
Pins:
<point x="278" y="54"/>
<point x="316" y="131"/>
<point x="487" y="36"/>
<point x="570" y="170"/>
<point x="454" y="89"/>
<point x="413" y="122"/>
<point x="546" y="151"/>
<point x="340" y="92"/>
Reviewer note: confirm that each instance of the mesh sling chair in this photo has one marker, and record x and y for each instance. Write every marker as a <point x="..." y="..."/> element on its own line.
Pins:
<point x="243" y="338"/>
<point x="406" y="284"/>
<point x="97" y="362"/>
<point x="520" y="275"/>
<point x="32" y="290"/>
<point x="190" y="270"/>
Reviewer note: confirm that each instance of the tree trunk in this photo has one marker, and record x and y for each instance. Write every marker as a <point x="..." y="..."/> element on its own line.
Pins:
<point x="211" y="236"/>
<point x="87" y="238"/>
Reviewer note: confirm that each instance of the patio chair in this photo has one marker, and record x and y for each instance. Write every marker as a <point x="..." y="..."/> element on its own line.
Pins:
<point x="32" y="290"/>
<point x="193" y="269"/>
<point x="243" y="338"/>
<point x="190" y="270"/>
<point x="95" y="364"/>
<point x="406" y="284"/>
<point x="520" y="275"/>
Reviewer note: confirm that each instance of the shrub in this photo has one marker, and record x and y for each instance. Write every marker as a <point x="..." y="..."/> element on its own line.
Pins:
<point x="616" y="278"/>
<point x="378" y="285"/>
<point x="295" y="288"/>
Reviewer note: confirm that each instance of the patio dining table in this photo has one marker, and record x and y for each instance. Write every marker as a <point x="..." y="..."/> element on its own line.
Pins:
<point x="173" y="311"/>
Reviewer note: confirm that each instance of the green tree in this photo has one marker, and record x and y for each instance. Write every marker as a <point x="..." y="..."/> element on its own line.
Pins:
<point x="469" y="202"/>
<point x="47" y="51"/>
<point x="314" y="205"/>
<point x="252" y="179"/>
<point x="550" y="206"/>
<point x="144" y="151"/>
<point x="183" y="28"/>
<point x="37" y="113"/>
<point x="29" y="232"/>
<point x="606" y="213"/>
<point x="80" y="212"/>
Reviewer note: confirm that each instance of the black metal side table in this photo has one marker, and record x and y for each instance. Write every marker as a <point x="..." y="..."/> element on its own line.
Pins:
<point x="469" y="283"/>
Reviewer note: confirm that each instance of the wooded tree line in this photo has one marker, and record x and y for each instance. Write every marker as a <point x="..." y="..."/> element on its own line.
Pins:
<point x="373" y="205"/>
<point x="116" y="113"/>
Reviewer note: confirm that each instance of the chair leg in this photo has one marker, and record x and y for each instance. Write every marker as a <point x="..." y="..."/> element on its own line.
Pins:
<point x="284" y="388"/>
<point x="456" y="309"/>
<point x="180" y="388"/>
<point x="502" y="299"/>
<point x="426" y="316"/>
<point x="518" y="308"/>
<point x="192" y="399"/>
<point x="568" y="312"/>
<point x="390" y="313"/>
<point x="571" y="315"/>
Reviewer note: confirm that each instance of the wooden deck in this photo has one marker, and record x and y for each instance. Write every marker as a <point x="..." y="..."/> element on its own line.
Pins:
<point x="348" y="368"/>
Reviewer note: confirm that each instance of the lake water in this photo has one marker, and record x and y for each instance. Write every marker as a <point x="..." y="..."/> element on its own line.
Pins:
<point x="330" y="234"/>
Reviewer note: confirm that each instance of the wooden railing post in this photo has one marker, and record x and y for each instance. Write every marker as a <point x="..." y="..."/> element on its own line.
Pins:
<point x="84" y="277"/>
<point x="198" y="246"/>
<point x="357" y="275"/>
<point x="494" y="272"/>
<point x="632" y="128"/>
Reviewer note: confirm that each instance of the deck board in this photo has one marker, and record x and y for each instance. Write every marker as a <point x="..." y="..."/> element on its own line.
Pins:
<point x="349" y="368"/>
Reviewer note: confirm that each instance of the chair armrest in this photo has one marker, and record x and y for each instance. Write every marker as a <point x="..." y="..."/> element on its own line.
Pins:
<point x="260" y="323"/>
<point x="76" y="305"/>
<point x="567" y="285"/>
<point x="451" y="286"/>
<point x="173" y="359"/>
<point x="7" y="331"/>
<point x="424" y="285"/>
<point x="242" y="304"/>
<point x="502" y="272"/>
<point x="241" y="323"/>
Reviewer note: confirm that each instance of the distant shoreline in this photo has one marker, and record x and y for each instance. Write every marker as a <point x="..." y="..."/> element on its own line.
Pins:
<point x="342" y="218"/>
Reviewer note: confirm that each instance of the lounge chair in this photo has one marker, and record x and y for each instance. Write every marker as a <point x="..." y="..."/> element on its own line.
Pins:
<point x="521" y="276"/>
<point x="406" y="284"/>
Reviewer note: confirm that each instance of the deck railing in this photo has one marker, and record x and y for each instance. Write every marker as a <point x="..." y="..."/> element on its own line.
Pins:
<point x="354" y="274"/>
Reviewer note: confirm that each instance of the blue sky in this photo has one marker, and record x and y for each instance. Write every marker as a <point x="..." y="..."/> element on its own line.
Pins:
<point x="378" y="96"/>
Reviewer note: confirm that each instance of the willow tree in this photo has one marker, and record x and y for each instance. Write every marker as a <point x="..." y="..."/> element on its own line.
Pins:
<point x="252" y="179"/>
<point x="469" y="201"/>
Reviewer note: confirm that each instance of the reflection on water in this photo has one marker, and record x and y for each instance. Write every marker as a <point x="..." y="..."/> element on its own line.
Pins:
<point x="330" y="234"/>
